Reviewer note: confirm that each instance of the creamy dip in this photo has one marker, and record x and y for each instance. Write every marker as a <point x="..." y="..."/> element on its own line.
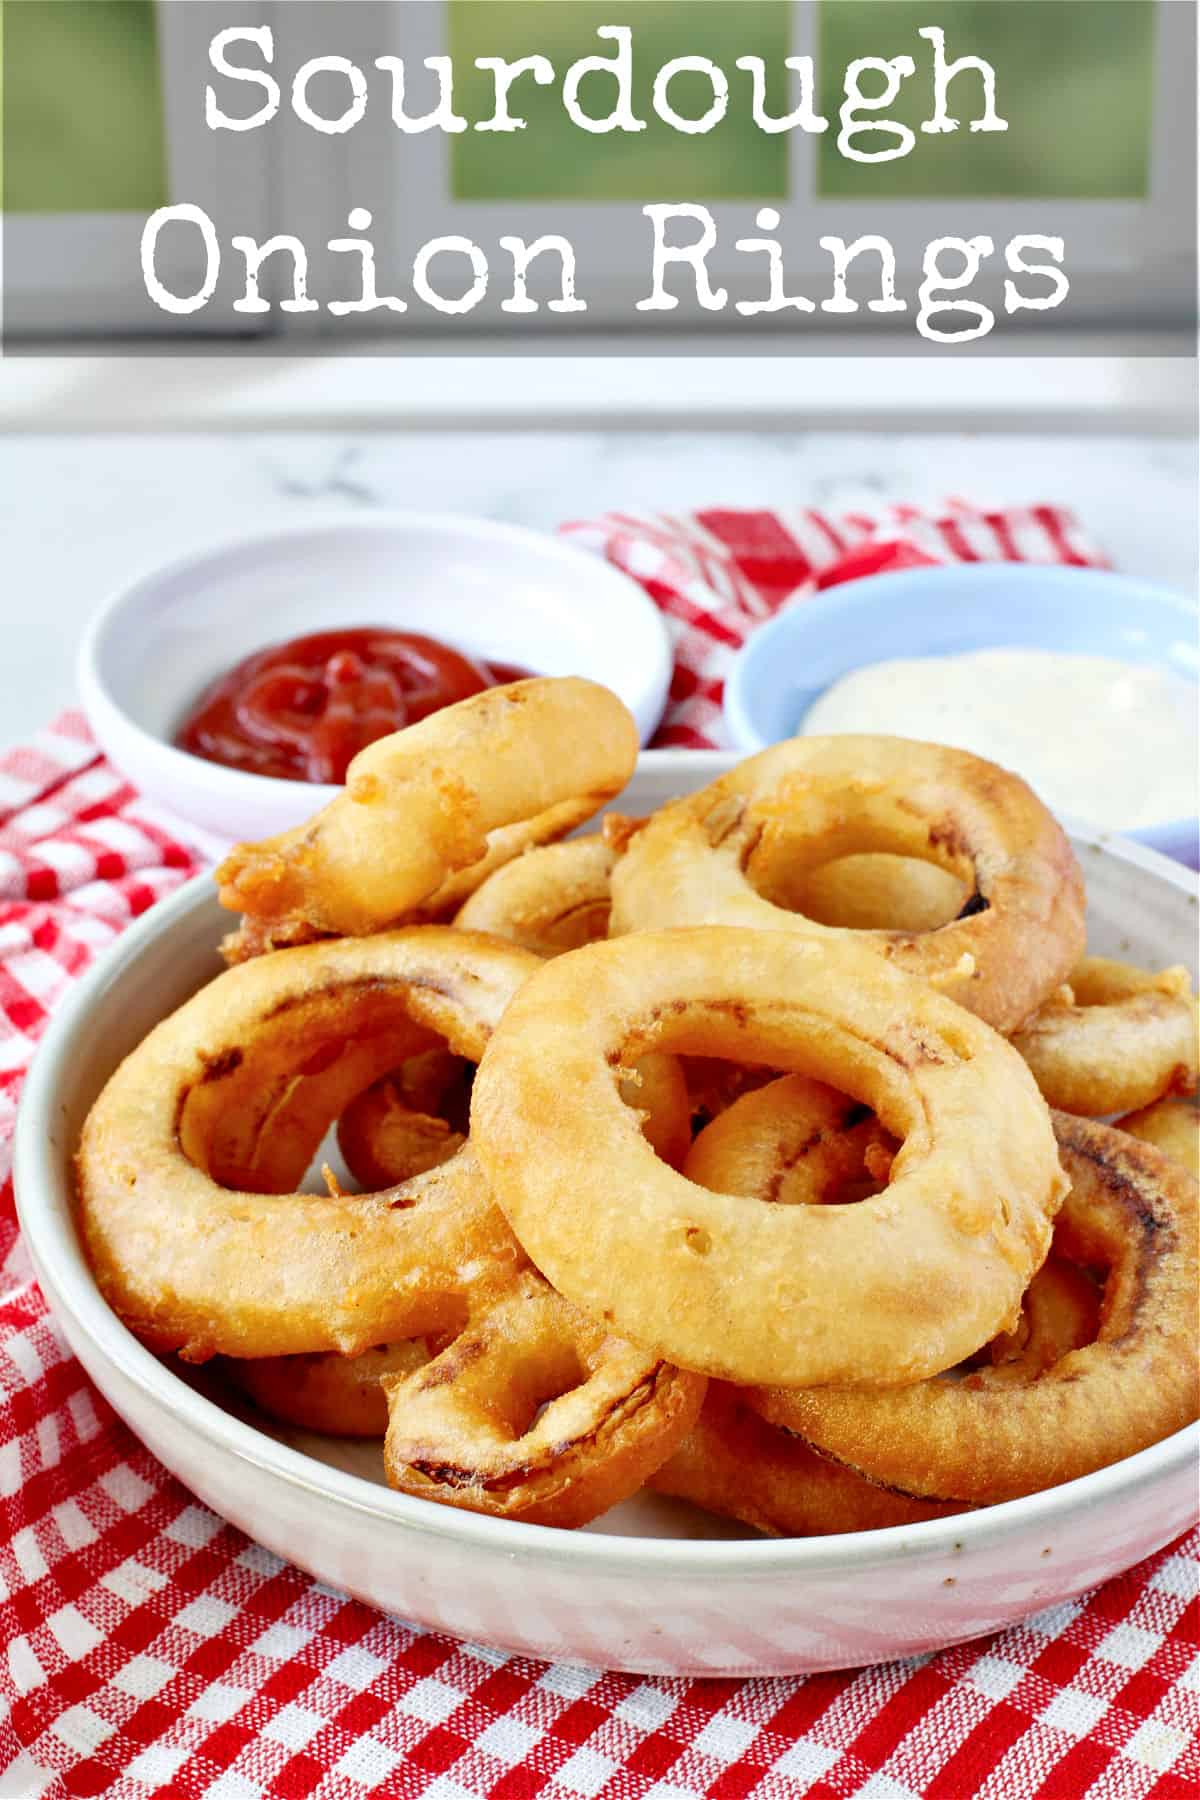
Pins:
<point x="1112" y="742"/>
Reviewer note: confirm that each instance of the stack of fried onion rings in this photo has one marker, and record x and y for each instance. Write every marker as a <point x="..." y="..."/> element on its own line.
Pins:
<point x="744" y="1290"/>
<point x="525" y="1303"/>
<point x="733" y="1461"/>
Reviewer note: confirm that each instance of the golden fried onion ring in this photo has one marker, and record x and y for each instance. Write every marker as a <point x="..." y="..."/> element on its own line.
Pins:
<point x="722" y="856"/>
<point x="1117" y="1039"/>
<point x="1172" y="1126"/>
<point x="194" y="1256"/>
<point x="554" y="898"/>
<point x="926" y="1272"/>
<point x="535" y="1412"/>
<point x="424" y="807"/>
<point x="983" y="1437"/>
<point x="735" y="1464"/>
<point x="874" y="891"/>
<point x="384" y="1140"/>
<point x="340" y="1395"/>
<point x="794" y="1142"/>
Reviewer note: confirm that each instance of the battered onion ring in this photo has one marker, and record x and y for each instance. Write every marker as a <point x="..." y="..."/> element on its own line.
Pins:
<point x="723" y="855"/>
<point x="888" y="1290"/>
<point x="551" y="899"/>
<point x="420" y="821"/>
<point x="339" y="1395"/>
<point x="1118" y="1040"/>
<point x="383" y="1140"/>
<point x="536" y="1412"/>
<point x="984" y="1438"/>
<point x="1060" y="1313"/>
<point x="733" y="1463"/>
<point x="1172" y="1126"/>
<point x="794" y="1142"/>
<point x="713" y="1084"/>
<point x="876" y="892"/>
<point x="190" y="1259"/>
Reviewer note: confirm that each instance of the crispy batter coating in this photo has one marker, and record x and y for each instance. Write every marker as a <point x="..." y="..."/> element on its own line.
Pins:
<point x="734" y="1463"/>
<point x="875" y="891"/>
<point x="793" y="1142"/>
<point x="188" y="1159"/>
<point x="982" y="1437"/>
<point x="553" y="898"/>
<point x="536" y="1412"/>
<point x="1172" y="1126"/>
<point x="340" y="1395"/>
<point x="1116" y="1039"/>
<point x="427" y="813"/>
<point x="926" y="1272"/>
<point x="732" y="855"/>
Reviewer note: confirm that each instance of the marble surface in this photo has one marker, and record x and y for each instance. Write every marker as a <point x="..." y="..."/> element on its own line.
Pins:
<point x="81" y="515"/>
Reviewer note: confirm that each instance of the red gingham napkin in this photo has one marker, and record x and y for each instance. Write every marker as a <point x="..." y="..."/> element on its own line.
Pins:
<point x="149" y="1650"/>
<point x="717" y="574"/>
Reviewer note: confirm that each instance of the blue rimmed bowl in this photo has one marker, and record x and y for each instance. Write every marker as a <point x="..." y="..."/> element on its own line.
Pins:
<point x="791" y="660"/>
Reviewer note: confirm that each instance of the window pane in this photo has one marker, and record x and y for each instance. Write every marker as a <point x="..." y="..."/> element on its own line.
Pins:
<point x="83" y="129"/>
<point x="1074" y="79"/>
<point x="554" y="159"/>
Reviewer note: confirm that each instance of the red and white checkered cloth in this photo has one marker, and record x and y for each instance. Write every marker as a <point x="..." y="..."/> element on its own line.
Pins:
<point x="149" y="1650"/>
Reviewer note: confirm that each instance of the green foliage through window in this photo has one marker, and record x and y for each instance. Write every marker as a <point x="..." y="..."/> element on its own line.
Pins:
<point x="83" y="127"/>
<point x="554" y="159"/>
<point x="1074" y="79"/>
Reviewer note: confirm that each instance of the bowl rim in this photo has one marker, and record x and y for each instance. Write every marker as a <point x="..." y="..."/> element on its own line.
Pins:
<point x="72" y="1293"/>
<point x="98" y="698"/>
<point x="856" y="596"/>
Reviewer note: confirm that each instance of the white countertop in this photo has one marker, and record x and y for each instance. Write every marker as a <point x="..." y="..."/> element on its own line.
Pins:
<point x="81" y="515"/>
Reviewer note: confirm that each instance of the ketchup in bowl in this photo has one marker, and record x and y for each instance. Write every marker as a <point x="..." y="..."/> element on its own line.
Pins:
<point x="303" y="710"/>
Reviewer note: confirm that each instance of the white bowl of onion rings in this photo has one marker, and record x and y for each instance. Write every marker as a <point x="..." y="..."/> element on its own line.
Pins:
<point x="655" y="1585"/>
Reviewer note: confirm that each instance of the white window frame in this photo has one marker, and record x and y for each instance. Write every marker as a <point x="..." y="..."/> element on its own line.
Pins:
<point x="203" y="166"/>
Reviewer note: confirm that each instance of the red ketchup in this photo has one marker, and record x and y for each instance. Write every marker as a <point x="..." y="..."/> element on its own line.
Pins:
<point x="303" y="710"/>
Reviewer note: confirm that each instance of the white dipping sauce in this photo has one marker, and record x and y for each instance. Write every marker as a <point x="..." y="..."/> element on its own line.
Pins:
<point x="1112" y="742"/>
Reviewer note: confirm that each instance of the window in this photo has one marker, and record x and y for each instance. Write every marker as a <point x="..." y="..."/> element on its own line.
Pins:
<point x="83" y="126"/>
<point x="1097" y="93"/>
<point x="103" y="121"/>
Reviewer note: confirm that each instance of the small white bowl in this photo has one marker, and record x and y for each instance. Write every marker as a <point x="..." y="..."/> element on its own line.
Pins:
<point x="492" y="590"/>
<point x="655" y="1586"/>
